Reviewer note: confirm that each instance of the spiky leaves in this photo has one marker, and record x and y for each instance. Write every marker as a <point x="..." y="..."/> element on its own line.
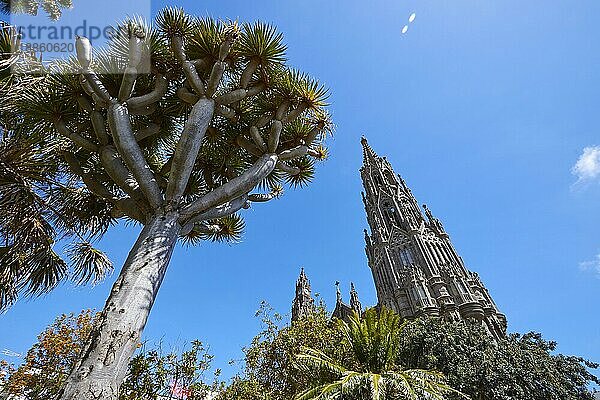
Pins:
<point x="373" y="372"/>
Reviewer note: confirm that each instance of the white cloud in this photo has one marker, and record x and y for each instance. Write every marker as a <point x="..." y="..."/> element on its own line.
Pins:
<point x="587" y="167"/>
<point x="592" y="265"/>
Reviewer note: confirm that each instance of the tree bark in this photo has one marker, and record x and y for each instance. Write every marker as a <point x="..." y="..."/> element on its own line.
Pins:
<point x="105" y="359"/>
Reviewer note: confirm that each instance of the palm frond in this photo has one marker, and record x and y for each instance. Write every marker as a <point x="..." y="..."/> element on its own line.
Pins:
<point x="89" y="264"/>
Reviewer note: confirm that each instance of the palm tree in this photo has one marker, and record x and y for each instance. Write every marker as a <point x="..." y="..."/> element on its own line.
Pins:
<point x="176" y="127"/>
<point x="372" y="371"/>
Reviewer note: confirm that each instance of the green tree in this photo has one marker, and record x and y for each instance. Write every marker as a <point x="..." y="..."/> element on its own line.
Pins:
<point x="373" y="371"/>
<point x="519" y="367"/>
<point x="155" y="375"/>
<point x="269" y="363"/>
<point x="179" y="150"/>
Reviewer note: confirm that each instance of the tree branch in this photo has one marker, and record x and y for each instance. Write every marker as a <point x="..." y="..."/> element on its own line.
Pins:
<point x="120" y="125"/>
<point x="146" y="132"/>
<point x="217" y="212"/>
<point x="79" y="140"/>
<point x="235" y="187"/>
<point x="188" y="147"/>
<point x="160" y="88"/>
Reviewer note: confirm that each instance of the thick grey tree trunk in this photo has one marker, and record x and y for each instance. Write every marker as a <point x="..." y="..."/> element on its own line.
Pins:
<point x="103" y="365"/>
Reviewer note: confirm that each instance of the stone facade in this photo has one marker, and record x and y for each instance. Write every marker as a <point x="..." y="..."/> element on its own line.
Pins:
<point x="415" y="267"/>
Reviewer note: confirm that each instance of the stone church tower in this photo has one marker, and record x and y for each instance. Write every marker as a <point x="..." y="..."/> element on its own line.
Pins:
<point x="415" y="267"/>
<point x="303" y="302"/>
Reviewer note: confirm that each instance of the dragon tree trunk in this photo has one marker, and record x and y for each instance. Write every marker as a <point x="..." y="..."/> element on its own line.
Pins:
<point x="105" y="359"/>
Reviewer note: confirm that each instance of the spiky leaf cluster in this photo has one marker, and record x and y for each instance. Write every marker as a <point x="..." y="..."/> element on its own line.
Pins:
<point x="53" y="8"/>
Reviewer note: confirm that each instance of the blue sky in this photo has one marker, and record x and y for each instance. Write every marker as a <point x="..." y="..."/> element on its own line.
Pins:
<point x="484" y="107"/>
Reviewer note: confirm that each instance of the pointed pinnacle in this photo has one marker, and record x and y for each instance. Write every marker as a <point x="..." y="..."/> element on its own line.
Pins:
<point x="368" y="153"/>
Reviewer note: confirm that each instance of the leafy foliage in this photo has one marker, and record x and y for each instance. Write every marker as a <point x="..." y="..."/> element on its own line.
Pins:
<point x="49" y="361"/>
<point x="520" y="367"/>
<point x="270" y="360"/>
<point x="153" y="373"/>
<point x="373" y="371"/>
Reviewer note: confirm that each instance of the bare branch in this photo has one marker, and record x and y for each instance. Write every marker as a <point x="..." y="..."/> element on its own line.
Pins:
<point x="189" y="69"/>
<point x="231" y="97"/>
<point x="126" y="205"/>
<point x="146" y="132"/>
<point x="297" y="151"/>
<point x="120" y="125"/>
<point x="288" y="168"/>
<point x="218" y="211"/>
<point x="226" y="112"/>
<point x="130" y="75"/>
<point x="248" y="146"/>
<point x="96" y="85"/>
<point x="160" y="88"/>
<point x="188" y="147"/>
<point x="127" y="83"/>
<point x="295" y="113"/>
<point x="118" y="172"/>
<point x="187" y="96"/>
<point x="257" y="139"/>
<point x="215" y="77"/>
<point x="235" y="187"/>
<point x="248" y="73"/>
<point x="274" y="134"/>
<point x="79" y="140"/>
<point x="262" y="197"/>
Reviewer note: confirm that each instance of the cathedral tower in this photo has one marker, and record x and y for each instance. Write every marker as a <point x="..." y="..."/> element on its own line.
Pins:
<point x="415" y="267"/>
<point x="303" y="302"/>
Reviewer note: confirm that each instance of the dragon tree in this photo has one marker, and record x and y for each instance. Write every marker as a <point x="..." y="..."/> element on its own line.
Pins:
<point x="177" y="127"/>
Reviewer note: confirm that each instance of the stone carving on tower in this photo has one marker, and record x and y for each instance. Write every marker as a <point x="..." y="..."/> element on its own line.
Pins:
<point x="303" y="303"/>
<point x="415" y="267"/>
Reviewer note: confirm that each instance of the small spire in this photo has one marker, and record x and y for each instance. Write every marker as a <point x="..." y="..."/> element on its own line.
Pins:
<point x="354" y="301"/>
<point x="368" y="153"/>
<point x="428" y="212"/>
<point x="338" y="292"/>
<point x="303" y="302"/>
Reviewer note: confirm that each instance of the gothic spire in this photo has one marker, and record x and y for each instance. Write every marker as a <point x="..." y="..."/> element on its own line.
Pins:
<point x="303" y="302"/>
<point x="369" y="156"/>
<point x="354" y="302"/>
<point x="415" y="266"/>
